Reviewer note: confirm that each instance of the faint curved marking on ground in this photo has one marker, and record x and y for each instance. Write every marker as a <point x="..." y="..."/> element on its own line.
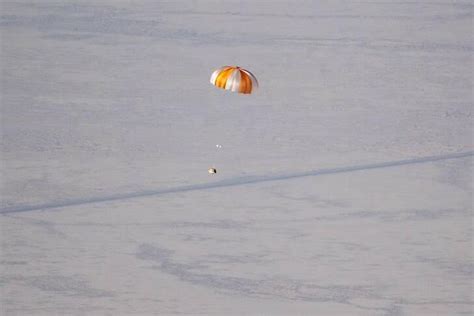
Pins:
<point x="273" y="287"/>
<point x="232" y="182"/>
<point x="279" y="288"/>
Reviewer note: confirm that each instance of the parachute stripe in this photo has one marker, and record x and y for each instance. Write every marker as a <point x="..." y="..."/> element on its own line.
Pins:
<point x="214" y="76"/>
<point x="252" y="77"/>
<point x="217" y="72"/>
<point x="245" y="84"/>
<point x="233" y="82"/>
<point x="222" y="77"/>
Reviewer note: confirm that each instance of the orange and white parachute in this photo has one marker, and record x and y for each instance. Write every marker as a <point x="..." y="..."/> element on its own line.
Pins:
<point x="235" y="79"/>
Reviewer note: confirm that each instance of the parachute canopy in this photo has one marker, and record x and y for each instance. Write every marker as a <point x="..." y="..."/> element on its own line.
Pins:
<point x="235" y="79"/>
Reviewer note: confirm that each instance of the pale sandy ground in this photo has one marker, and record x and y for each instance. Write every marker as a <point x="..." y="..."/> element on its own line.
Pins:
<point x="344" y="185"/>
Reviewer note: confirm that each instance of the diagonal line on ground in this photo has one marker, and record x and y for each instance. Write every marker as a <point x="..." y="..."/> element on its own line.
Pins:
<point x="232" y="182"/>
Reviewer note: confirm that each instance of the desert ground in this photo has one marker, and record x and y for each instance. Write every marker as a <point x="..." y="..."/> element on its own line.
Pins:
<point x="344" y="183"/>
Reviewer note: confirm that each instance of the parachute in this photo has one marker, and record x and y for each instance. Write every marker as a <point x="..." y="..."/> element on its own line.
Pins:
<point x="235" y="79"/>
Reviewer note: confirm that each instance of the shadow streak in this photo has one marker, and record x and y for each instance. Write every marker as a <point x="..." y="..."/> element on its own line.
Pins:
<point x="231" y="182"/>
